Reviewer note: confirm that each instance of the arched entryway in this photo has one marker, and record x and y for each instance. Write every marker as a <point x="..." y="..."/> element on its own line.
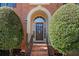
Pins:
<point x="37" y="24"/>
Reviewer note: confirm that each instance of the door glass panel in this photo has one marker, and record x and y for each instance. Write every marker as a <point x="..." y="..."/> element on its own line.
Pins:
<point x="39" y="31"/>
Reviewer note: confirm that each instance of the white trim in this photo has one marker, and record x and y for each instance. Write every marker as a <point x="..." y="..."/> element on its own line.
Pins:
<point x="29" y="17"/>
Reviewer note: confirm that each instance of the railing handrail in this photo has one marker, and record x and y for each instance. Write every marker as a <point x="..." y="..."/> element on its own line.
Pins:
<point x="31" y="43"/>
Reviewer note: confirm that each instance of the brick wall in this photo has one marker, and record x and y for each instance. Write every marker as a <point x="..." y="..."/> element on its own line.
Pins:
<point x="22" y="10"/>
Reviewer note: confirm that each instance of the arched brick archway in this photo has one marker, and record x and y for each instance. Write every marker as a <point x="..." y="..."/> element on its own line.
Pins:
<point x="38" y="11"/>
<point x="39" y="29"/>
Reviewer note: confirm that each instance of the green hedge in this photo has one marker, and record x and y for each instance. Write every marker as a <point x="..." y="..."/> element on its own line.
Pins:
<point x="10" y="29"/>
<point x="64" y="29"/>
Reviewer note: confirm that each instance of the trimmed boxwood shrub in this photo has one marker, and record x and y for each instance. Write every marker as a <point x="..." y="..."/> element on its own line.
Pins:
<point x="64" y="29"/>
<point x="10" y="29"/>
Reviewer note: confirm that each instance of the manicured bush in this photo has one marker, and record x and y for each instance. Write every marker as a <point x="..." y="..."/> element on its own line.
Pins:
<point x="64" y="29"/>
<point x="10" y="29"/>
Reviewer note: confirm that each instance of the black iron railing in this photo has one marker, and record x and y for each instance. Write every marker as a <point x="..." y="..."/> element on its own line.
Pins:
<point x="31" y="44"/>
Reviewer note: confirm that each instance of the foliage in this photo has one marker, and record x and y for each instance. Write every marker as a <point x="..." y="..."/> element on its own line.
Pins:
<point x="10" y="29"/>
<point x="64" y="29"/>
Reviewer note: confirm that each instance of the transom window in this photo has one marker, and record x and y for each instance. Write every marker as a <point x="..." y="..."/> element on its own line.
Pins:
<point x="39" y="20"/>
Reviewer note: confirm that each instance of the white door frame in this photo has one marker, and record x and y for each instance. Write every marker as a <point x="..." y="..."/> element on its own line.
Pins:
<point x="29" y="18"/>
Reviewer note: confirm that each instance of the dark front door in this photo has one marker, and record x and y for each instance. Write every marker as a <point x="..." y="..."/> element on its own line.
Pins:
<point x="39" y="31"/>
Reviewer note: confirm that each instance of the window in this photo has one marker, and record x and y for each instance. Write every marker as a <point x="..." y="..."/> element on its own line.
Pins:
<point x="8" y="4"/>
<point x="2" y="4"/>
<point x="39" y="20"/>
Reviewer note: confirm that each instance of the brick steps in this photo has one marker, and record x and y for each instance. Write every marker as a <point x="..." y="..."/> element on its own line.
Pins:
<point x="39" y="50"/>
<point x="39" y="53"/>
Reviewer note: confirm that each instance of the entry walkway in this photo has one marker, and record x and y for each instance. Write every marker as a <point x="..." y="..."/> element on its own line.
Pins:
<point x="39" y="49"/>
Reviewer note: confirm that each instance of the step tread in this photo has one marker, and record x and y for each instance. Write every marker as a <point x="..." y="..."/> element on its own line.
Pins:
<point x="39" y="50"/>
<point x="41" y="53"/>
